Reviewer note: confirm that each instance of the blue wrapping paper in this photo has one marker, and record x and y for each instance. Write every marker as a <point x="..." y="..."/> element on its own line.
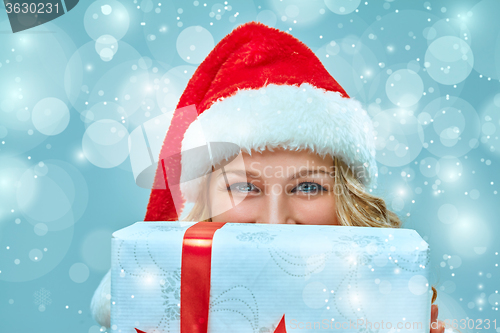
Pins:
<point x="321" y="277"/>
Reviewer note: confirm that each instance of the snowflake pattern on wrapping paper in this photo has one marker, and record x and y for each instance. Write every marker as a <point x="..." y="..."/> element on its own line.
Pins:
<point x="171" y="292"/>
<point x="354" y="248"/>
<point x="262" y="237"/>
<point x="42" y="299"/>
<point x="244" y="296"/>
<point x="357" y="251"/>
<point x="422" y="258"/>
<point x="267" y="329"/>
<point x="367" y="330"/>
<point x="166" y="228"/>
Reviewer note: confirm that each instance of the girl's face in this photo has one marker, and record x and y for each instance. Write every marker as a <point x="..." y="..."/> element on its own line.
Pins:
<point x="288" y="187"/>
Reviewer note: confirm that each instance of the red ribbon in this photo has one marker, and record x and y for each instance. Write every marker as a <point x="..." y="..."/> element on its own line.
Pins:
<point x="195" y="278"/>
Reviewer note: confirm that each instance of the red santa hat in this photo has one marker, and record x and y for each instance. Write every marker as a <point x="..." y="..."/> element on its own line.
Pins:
<point x="259" y="88"/>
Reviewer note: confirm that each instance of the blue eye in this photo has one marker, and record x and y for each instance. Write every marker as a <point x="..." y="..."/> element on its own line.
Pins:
<point x="306" y="187"/>
<point x="230" y="188"/>
<point x="315" y="187"/>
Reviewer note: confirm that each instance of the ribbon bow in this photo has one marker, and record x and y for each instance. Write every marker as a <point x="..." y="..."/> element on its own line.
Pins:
<point x="195" y="278"/>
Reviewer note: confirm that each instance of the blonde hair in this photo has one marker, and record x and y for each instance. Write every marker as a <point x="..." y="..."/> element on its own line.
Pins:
<point x="355" y="206"/>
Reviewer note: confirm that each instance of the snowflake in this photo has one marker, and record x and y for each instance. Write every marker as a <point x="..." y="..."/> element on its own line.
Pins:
<point x="42" y="299"/>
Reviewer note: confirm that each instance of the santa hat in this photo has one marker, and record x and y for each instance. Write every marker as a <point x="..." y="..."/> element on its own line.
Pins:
<point x="258" y="88"/>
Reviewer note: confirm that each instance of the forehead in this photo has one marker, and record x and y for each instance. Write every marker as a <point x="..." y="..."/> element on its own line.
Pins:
<point x="279" y="157"/>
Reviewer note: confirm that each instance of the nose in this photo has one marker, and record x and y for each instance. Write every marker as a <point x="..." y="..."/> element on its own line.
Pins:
<point x="276" y="209"/>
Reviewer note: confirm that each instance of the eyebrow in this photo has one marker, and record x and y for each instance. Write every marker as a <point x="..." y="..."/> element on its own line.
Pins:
<point x="299" y="174"/>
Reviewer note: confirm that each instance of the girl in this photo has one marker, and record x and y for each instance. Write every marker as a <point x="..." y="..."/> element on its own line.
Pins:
<point x="334" y="198"/>
<point x="286" y="145"/>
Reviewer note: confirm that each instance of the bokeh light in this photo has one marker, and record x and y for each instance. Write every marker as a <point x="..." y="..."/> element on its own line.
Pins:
<point x="399" y="137"/>
<point x="194" y="43"/>
<point x="449" y="60"/>
<point x="50" y="116"/>
<point x="105" y="143"/>
<point x="106" y="17"/>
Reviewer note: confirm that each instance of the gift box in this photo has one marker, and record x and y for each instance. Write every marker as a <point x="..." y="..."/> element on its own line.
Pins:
<point x="195" y="277"/>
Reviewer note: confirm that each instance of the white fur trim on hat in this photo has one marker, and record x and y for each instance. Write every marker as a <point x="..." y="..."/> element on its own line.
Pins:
<point x="288" y="116"/>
